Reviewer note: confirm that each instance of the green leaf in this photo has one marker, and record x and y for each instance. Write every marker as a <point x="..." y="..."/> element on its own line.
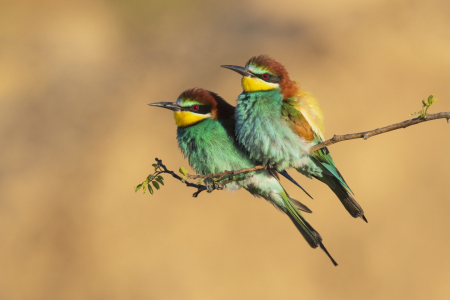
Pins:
<point x="155" y="184"/>
<point x="154" y="165"/>
<point x="183" y="171"/>
<point x="160" y="180"/>
<point x="138" y="187"/>
<point x="150" y="177"/>
<point x="433" y="100"/>
<point x="143" y="188"/>
<point x="150" y="188"/>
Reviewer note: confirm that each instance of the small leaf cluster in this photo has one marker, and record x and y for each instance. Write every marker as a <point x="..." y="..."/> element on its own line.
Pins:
<point x="425" y="106"/>
<point x="155" y="179"/>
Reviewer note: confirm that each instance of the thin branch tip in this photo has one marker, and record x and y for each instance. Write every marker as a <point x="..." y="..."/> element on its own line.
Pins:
<point x="365" y="135"/>
<point x="200" y="188"/>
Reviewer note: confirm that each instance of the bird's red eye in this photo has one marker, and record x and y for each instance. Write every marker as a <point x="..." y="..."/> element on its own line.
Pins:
<point x="265" y="76"/>
<point x="195" y="107"/>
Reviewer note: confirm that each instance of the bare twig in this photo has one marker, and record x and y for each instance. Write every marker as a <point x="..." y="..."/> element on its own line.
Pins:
<point x="368" y="134"/>
<point x="200" y="188"/>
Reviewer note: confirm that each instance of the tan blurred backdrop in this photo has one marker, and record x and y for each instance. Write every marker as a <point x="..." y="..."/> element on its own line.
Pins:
<point x="77" y="135"/>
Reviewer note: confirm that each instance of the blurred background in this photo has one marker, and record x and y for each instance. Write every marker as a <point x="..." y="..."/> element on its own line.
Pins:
<point x="77" y="136"/>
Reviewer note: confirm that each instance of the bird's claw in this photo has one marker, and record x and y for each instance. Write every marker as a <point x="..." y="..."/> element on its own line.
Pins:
<point x="209" y="183"/>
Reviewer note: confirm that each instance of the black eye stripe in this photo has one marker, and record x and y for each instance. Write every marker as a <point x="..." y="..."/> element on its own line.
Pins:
<point x="202" y="109"/>
<point x="272" y="78"/>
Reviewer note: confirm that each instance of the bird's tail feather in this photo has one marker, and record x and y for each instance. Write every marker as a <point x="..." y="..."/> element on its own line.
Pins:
<point x="334" y="179"/>
<point x="285" y="174"/>
<point x="300" y="206"/>
<point x="307" y="231"/>
<point x="344" y="195"/>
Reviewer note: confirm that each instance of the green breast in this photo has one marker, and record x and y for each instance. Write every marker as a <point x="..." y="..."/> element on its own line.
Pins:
<point x="211" y="147"/>
<point x="262" y="130"/>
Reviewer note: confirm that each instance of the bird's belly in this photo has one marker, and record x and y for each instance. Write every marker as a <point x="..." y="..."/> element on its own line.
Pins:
<point x="267" y="137"/>
<point x="276" y="145"/>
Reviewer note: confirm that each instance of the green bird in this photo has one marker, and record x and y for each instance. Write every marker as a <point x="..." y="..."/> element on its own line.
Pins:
<point x="277" y="124"/>
<point x="206" y="137"/>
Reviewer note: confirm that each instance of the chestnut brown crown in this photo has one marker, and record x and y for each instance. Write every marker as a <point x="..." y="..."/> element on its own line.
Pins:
<point x="220" y="109"/>
<point x="289" y="88"/>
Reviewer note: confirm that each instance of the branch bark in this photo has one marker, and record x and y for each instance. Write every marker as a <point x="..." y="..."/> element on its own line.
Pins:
<point x="367" y="134"/>
<point x="200" y="187"/>
<point x="336" y="139"/>
<point x="219" y="176"/>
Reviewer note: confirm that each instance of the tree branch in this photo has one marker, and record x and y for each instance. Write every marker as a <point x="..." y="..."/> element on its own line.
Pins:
<point x="336" y="138"/>
<point x="200" y="188"/>
<point x="367" y="134"/>
<point x="219" y="176"/>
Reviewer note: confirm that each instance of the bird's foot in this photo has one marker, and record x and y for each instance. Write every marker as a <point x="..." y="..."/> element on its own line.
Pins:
<point x="209" y="183"/>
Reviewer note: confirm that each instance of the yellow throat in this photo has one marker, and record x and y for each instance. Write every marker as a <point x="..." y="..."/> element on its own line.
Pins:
<point x="253" y="84"/>
<point x="186" y="118"/>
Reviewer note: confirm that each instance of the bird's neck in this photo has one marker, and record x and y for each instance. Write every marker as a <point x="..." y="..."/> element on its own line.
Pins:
<point x="211" y="147"/>
<point x="190" y="136"/>
<point x="264" y="104"/>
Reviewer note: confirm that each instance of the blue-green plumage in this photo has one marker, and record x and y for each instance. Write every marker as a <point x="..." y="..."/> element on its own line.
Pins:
<point x="263" y="131"/>
<point x="210" y="146"/>
<point x="277" y="124"/>
<point x="266" y="136"/>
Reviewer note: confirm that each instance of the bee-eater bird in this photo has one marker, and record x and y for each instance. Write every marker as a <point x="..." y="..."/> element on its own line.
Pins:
<point x="206" y="136"/>
<point x="277" y="123"/>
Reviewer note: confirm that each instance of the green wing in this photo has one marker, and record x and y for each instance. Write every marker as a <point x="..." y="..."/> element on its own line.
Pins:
<point x="323" y="157"/>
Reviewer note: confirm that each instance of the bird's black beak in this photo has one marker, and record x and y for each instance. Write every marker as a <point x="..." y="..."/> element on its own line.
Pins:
<point x="241" y="70"/>
<point x="169" y="105"/>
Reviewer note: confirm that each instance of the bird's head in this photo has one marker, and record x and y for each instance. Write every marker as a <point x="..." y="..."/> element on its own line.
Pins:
<point x="263" y="73"/>
<point x="196" y="105"/>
